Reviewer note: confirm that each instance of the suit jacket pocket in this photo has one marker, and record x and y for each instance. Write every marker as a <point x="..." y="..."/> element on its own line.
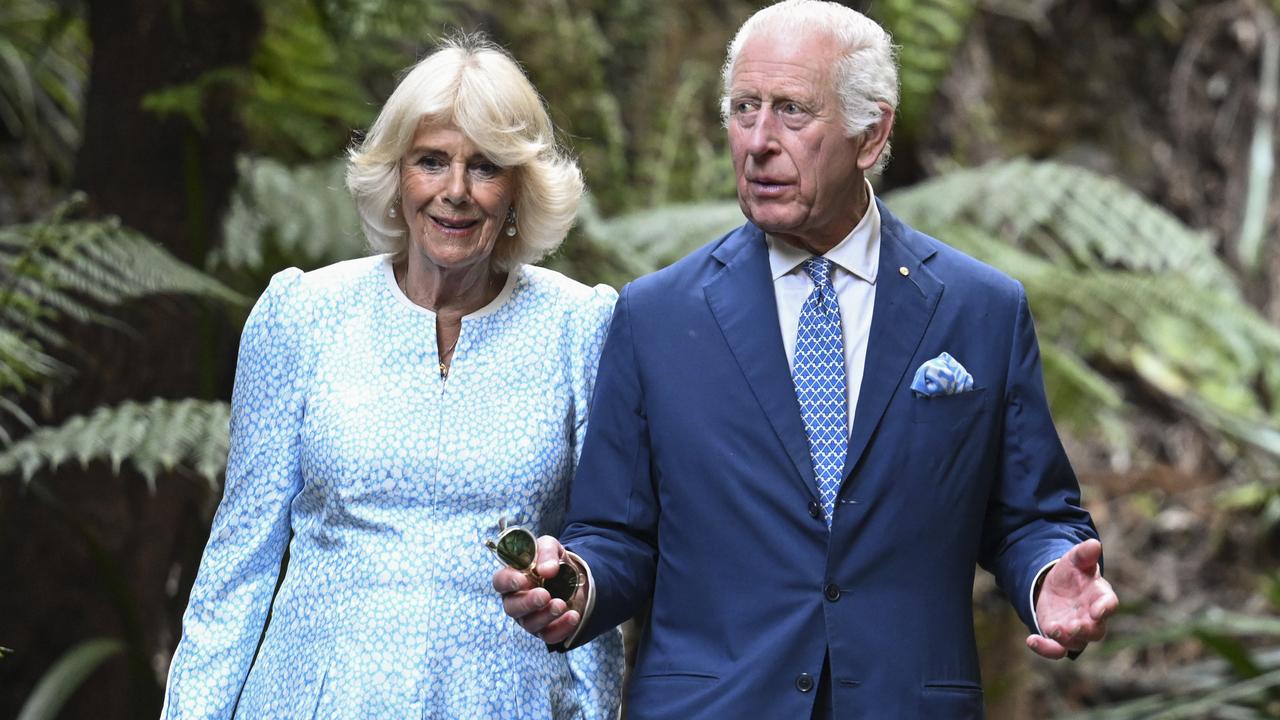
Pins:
<point x="949" y="410"/>
<point x="951" y="699"/>
<point x="671" y="695"/>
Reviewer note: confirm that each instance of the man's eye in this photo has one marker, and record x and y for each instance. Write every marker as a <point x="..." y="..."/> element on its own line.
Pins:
<point x="792" y="108"/>
<point x="743" y="106"/>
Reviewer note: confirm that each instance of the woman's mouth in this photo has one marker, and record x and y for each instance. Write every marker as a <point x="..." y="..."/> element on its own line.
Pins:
<point x="454" y="226"/>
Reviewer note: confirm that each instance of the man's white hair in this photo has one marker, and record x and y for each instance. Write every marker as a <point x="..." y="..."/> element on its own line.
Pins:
<point x="866" y="74"/>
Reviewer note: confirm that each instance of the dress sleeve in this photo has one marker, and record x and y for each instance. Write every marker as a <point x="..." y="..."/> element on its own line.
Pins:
<point x="596" y="667"/>
<point x="237" y="577"/>
<point x="591" y="326"/>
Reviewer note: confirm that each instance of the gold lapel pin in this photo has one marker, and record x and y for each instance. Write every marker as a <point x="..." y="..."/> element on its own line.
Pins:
<point x="904" y="271"/>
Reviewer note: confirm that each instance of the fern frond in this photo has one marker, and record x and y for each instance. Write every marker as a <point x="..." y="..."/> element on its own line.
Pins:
<point x="161" y="435"/>
<point x="654" y="238"/>
<point x="289" y="216"/>
<point x="60" y="269"/>
<point x="1062" y="212"/>
<point x="1118" y="282"/>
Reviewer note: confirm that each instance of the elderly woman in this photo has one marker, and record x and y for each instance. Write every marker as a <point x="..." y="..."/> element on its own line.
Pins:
<point x="388" y="413"/>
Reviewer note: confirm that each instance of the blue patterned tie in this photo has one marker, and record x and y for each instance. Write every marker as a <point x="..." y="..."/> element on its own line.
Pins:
<point x="818" y="372"/>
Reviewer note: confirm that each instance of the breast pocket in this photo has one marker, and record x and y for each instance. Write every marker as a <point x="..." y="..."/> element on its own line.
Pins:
<point x="950" y="411"/>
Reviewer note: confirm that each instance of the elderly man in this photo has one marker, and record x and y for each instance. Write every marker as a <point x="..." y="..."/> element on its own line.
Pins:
<point x="806" y="434"/>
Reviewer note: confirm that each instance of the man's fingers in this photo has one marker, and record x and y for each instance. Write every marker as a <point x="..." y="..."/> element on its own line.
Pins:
<point x="561" y="628"/>
<point x="550" y="552"/>
<point x="1045" y="647"/>
<point x="539" y="620"/>
<point x="507" y="581"/>
<point x="1105" y="606"/>
<point x="1085" y="556"/>
<point x="520" y="605"/>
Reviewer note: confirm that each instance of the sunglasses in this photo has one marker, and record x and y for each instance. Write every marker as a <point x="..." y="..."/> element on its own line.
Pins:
<point x="517" y="548"/>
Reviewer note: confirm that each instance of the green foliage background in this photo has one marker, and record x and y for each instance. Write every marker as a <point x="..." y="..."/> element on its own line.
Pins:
<point x="1146" y="322"/>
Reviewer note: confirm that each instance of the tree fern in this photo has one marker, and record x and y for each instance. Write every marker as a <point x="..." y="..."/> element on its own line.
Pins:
<point x="1118" y="282"/>
<point x="282" y="215"/>
<point x="161" y="435"/>
<point x="60" y="269"/>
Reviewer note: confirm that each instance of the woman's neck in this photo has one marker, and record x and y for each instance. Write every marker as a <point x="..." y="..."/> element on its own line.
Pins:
<point x="449" y="292"/>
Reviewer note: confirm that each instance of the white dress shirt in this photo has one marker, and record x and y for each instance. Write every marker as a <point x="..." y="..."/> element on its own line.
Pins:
<point x="855" y="261"/>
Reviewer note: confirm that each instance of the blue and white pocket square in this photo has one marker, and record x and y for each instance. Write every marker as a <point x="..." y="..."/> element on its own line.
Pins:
<point x="942" y="375"/>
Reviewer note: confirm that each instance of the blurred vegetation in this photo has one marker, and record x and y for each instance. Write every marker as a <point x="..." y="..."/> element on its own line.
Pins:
<point x="1127" y="180"/>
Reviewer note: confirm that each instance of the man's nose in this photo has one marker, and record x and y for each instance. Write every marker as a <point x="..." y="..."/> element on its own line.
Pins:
<point x="762" y="138"/>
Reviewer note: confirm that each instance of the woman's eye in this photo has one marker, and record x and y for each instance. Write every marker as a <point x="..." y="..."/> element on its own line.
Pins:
<point x="430" y="162"/>
<point x="486" y="169"/>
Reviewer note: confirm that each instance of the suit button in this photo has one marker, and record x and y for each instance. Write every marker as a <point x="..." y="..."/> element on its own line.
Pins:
<point x="804" y="683"/>
<point x="831" y="592"/>
<point x="815" y="510"/>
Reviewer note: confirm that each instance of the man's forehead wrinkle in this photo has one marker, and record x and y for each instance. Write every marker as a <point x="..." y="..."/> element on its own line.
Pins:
<point x="803" y="71"/>
<point x="806" y="84"/>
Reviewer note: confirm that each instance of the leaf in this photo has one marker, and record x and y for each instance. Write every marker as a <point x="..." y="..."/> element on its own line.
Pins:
<point x="161" y="434"/>
<point x="284" y="215"/>
<point x="59" y="269"/>
<point x="66" y="676"/>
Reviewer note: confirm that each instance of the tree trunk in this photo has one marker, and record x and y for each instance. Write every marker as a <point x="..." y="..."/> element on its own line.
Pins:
<point x="115" y="559"/>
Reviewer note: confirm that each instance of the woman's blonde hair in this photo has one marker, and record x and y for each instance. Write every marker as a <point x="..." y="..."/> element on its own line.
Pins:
<point x="477" y="87"/>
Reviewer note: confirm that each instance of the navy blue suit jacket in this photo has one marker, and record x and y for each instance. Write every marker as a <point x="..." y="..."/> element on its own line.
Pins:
<point x="695" y="490"/>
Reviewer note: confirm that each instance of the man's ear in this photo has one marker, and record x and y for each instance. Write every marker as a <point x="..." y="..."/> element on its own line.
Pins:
<point x="875" y="138"/>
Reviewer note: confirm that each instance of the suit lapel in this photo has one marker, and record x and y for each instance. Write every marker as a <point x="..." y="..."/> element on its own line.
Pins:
<point x="904" y="306"/>
<point x="742" y="299"/>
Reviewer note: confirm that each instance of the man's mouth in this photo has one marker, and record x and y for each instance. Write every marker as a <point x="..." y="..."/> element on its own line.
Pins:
<point x="766" y="186"/>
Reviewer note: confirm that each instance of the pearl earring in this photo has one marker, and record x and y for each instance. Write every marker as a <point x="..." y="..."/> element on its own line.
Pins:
<point x="511" y="221"/>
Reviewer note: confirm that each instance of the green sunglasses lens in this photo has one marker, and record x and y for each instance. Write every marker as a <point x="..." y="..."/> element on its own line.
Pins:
<point x="517" y="548"/>
<point x="564" y="584"/>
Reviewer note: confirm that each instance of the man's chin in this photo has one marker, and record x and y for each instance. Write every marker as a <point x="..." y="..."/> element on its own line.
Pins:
<point x="772" y="224"/>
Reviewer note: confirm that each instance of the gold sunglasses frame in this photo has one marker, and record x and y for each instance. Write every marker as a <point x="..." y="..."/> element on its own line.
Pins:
<point x="562" y="586"/>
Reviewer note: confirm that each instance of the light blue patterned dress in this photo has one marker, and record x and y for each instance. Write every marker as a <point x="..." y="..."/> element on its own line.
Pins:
<point x="389" y="479"/>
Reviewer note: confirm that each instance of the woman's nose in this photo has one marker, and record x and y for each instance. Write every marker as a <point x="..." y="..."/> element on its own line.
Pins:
<point x="456" y="191"/>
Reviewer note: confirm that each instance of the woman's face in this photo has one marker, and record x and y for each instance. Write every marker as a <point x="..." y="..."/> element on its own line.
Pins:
<point x="454" y="199"/>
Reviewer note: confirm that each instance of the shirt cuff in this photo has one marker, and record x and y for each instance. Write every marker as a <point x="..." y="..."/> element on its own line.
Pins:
<point x="1032" y="593"/>
<point x="591" y="600"/>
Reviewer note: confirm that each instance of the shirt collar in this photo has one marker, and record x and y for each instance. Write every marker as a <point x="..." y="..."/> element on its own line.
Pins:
<point x="858" y="253"/>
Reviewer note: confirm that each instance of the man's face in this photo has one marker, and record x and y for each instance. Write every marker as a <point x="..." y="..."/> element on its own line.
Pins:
<point x="799" y="177"/>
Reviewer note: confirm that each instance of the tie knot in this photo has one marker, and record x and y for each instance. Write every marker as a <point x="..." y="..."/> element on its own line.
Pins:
<point x="819" y="268"/>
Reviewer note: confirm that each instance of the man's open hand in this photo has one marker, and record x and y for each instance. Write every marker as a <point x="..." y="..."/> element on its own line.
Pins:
<point x="1074" y="603"/>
